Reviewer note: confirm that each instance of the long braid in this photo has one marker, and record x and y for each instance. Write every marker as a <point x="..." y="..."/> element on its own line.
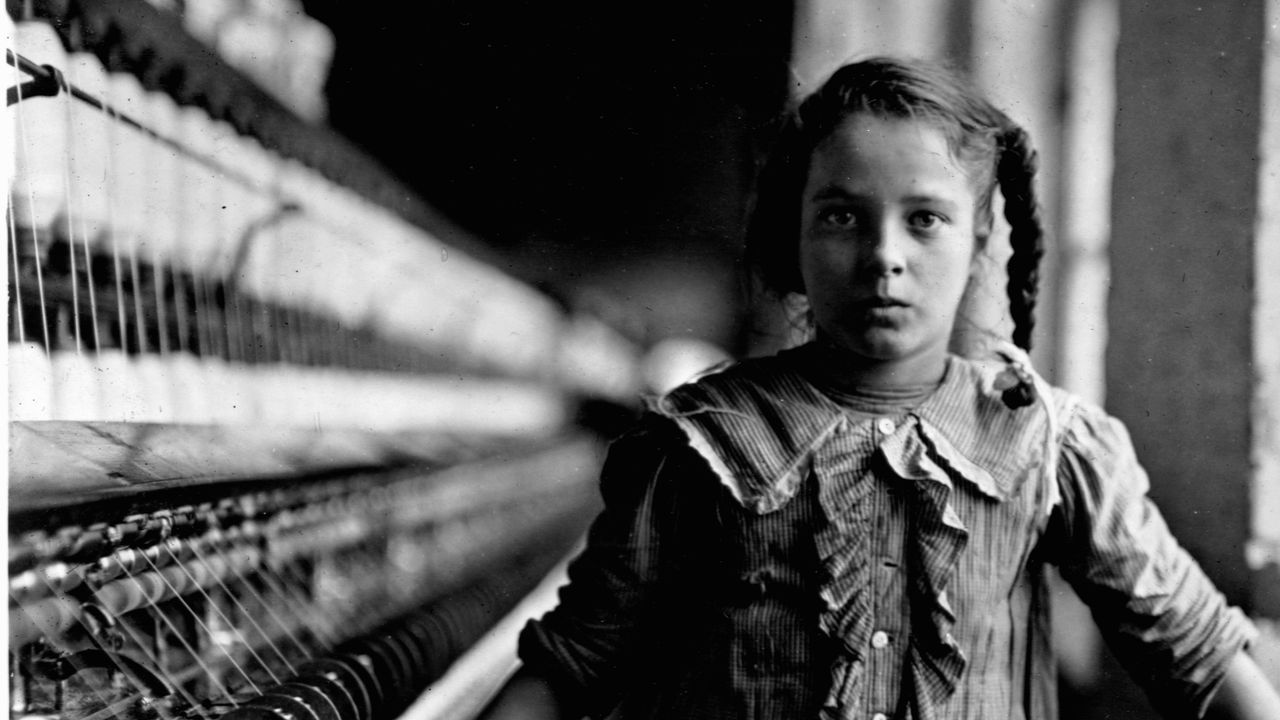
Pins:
<point x="1016" y="171"/>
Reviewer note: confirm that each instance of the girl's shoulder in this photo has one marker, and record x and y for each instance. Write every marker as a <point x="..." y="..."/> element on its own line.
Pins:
<point x="751" y="422"/>
<point x="773" y="377"/>
<point x="754" y="421"/>
<point x="1060" y="422"/>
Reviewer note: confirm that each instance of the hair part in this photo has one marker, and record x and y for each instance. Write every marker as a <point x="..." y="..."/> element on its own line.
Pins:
<point x="984" y="142"/>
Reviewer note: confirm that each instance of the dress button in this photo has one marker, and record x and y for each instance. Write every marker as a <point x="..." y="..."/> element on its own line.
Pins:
<point x="885" y="426"/>
<point x="879" y="716"/>
<point x="879" y="639"/>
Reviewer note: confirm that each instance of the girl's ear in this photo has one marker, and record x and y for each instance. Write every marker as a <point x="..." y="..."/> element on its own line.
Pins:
<point x="980" y="238"/>
<point x="797" y="278"/>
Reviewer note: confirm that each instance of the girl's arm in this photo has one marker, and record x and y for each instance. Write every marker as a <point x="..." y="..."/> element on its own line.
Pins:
<point x="581" y="657"/>
<point x="1163" y="618"/>
<point x="1244" y="694"/>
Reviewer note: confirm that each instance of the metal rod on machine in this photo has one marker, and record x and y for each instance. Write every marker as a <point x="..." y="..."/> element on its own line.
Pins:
<point x="476" y="677"/>
<point x="49" y="81"/>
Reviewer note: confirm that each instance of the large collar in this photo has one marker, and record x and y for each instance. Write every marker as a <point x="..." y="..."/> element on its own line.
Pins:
<point x="761" y="424"/>
<point x="758" y="423"/>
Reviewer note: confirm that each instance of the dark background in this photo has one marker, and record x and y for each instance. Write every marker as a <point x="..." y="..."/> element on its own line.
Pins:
<point x="606" y="150"/>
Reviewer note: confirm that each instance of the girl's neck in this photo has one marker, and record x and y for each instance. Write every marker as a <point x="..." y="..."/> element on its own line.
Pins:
<point x="848" y="372"/>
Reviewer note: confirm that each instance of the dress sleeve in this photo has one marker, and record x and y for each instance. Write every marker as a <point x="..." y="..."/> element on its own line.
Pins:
<point x="584" y="645"/>
<point x="1160" y="614"/>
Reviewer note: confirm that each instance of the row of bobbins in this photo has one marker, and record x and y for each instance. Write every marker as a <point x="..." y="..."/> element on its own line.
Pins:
<point x="188" y="197"/>
<point x="379" y="676"/>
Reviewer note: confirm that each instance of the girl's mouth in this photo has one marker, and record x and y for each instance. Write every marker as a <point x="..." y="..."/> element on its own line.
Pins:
<point x="878" y="302"/>
<point x="882" y="312"/>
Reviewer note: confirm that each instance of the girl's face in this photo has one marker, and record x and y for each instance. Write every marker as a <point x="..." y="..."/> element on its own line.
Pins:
<point x="887" y="239"/>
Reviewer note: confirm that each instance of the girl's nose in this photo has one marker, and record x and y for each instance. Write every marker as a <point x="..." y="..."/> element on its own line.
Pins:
<point x="886" y="250"/>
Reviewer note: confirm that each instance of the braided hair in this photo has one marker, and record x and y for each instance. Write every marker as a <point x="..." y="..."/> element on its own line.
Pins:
<point x="1016" y="174"/>
<point x="984" y="142"/>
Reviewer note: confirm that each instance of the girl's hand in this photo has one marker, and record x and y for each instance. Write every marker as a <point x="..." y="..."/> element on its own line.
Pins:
<point x="526" y="697"/>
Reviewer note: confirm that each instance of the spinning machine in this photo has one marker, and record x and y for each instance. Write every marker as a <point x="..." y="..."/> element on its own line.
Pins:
<point x="283" y="444"/>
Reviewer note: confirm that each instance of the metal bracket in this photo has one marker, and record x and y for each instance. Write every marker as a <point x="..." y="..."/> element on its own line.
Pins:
<point x="46" y="80"/>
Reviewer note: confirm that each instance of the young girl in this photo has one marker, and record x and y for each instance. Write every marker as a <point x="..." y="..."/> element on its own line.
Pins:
<point x="859" y="527"/>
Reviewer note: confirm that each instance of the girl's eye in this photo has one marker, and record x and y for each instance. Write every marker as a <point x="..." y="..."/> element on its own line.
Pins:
<point x="838" y="217"/>
<point x="926" y="220"/>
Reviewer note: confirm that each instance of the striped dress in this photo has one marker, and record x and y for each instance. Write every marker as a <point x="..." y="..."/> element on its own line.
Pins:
<point x="766" y="552"/>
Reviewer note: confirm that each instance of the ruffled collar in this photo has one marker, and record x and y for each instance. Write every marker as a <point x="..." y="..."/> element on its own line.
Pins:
<point x="757" y="423"/>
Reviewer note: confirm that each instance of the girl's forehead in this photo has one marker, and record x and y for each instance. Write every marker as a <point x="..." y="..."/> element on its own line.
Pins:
<point x="866" y="148"/>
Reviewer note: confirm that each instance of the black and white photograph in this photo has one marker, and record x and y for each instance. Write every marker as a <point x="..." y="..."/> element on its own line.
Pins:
<point x="704" y="360"/>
